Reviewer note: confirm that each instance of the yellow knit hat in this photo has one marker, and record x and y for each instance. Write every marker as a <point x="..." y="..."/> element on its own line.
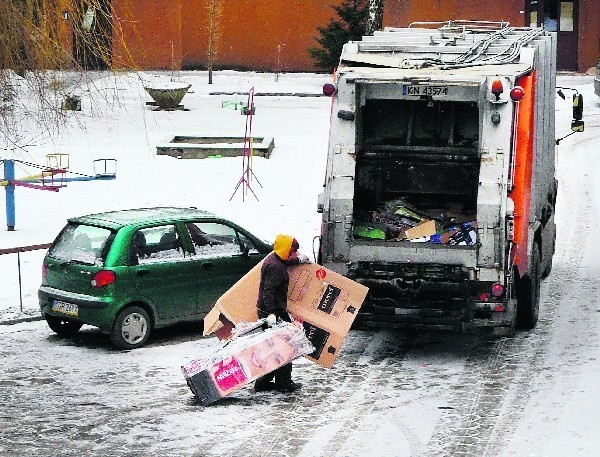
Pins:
<point x="283" y="246"/>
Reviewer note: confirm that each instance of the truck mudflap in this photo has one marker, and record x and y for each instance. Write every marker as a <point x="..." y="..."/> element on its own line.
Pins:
<point x="432" y="296"/>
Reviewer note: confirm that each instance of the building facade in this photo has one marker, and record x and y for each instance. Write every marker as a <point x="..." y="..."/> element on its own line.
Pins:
<point x="576" y="22"/>
<point x="274" y="35"/>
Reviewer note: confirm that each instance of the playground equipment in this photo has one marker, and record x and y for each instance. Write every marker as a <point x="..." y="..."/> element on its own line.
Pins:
<point x="202" y="147"/>
<point x="52" y="177"/>
<point x="247" y="173"/>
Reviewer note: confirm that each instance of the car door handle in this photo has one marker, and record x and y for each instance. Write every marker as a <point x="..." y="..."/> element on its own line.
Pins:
<point x="143" y="272"/>
<point x="207" y="266"/>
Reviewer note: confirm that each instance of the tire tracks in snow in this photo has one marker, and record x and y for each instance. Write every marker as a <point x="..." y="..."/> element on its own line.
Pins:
<point x="319" y="421"/>
<point x="500" y="377"/>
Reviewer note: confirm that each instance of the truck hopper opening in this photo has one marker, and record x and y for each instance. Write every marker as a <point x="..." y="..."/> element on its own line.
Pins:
<point x="417" y="162"/>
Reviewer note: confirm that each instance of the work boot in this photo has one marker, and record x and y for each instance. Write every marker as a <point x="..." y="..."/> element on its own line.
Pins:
<point x="288" y="387"/>
<point x="264" y="387"/>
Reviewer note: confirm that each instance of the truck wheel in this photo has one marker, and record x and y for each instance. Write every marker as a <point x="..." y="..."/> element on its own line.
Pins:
<point x="63" y="327"/>
<point x="528" y="294"/>
<point x="548" y="268"/>
<point x="131" y="328"/>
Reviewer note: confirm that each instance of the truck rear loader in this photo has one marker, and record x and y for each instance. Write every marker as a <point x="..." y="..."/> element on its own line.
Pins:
<point x="440" y="184"/>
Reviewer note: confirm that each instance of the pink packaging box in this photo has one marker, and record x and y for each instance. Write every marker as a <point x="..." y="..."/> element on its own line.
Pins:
<point x="243" y="359"/>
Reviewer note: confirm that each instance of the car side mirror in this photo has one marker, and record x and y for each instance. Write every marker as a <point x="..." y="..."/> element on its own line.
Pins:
<point x="245" y="250"/>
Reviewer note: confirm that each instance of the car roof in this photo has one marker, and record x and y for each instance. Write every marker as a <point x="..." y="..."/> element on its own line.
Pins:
<point x="140" y="216"/>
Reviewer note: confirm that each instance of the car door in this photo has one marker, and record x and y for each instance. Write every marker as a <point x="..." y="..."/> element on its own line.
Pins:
<point x="163" y="275"/>
<point x="223" y="255"/>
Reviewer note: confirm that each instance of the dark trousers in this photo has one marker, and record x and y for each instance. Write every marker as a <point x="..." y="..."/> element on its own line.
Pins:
<point x="283" y="374"/>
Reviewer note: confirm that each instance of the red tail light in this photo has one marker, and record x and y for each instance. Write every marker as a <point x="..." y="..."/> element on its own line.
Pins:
<point x="44" y="271"/>
<point x="517" y="93"/>
<point x="328" y="89"/>
<point x="497" y="290"/>
<point x="103" y="278"/>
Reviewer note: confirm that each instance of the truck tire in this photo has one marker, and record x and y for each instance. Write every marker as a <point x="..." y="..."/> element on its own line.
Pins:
<point x="131" y="328"/>
<point x="528" y="294"/>
<point x="548" y="268"/>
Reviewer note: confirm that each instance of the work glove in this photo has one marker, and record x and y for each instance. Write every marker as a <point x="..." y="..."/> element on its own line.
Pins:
<point x="303" y="258"/>
<point x="271" y="320"/>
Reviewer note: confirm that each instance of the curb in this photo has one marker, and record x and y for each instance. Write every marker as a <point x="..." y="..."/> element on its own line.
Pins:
<point x="21" y="320"/>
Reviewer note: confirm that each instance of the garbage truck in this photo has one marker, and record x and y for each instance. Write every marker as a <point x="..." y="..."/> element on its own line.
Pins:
<point x="440" y="185"/>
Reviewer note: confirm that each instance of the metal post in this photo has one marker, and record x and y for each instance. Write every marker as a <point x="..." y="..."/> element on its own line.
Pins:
<point x="20" y="287"/>
<point x="9" y="175"/>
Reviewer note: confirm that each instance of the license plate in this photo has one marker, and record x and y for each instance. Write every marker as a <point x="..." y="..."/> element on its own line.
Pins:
<point x="65" y="308"/>
<point x="431" y="91"/>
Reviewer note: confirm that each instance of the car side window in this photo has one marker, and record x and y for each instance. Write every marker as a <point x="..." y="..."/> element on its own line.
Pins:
<point x="156" y="244"/>
<point x="248" y="243"/>
<point x="214" y="239"/>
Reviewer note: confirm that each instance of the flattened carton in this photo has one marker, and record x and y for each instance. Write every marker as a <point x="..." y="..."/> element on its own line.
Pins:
<point x="324" y="301"/>
<point x="243" y="359"/>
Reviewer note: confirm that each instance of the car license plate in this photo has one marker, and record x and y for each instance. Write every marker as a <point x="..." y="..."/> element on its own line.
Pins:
<point x="65" y="308"/>
<point x="431" y="91"/>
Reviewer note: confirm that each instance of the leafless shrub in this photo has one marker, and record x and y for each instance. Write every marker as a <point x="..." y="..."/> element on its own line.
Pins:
<point x="48" y="49"/>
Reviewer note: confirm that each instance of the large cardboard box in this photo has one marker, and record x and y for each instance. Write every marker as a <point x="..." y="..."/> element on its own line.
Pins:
<point x="243" y="359"/>
<point x="324" y="301"/>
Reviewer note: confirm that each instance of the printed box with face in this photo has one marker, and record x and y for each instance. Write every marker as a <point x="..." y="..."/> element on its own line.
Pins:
<point x="244" y="359"/>
<point x="324" y="301"/>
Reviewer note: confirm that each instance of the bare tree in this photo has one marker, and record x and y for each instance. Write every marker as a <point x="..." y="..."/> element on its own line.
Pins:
<point x="45" y="48"/>
<point x="216" y="9"/>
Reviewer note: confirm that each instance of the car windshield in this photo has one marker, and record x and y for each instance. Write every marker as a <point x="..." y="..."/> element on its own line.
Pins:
<point x="81" y="243"/>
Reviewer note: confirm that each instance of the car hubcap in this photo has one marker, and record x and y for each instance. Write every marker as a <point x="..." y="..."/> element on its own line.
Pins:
<point x="134" y="328"/>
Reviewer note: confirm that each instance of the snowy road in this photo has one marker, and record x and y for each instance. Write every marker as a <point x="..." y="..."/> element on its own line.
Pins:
<point x="390" y="393"/>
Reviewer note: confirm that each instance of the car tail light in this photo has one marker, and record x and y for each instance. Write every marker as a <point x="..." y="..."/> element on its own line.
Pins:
<point x="328" y="89"/>
<point x="484" y="296"/>
<point x="44" y="271"/>
<point x="517" y="93"/>
<point x="103" y="278"/>
<point x="497" y="88"/>
<point x="497" y="290"/>
<point x="499" y="308"/>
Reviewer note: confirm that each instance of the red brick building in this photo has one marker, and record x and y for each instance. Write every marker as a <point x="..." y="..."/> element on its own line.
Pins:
<point x="271" y="35"/>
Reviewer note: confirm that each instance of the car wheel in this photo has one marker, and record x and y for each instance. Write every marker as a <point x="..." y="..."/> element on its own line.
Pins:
<point x="528" y="294"/>
<point x="63" y="327"/>
<point x="131" y="328"/>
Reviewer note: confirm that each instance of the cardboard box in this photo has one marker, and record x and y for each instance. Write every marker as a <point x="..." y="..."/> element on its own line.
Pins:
<point x="244" y="359"/>
<point x="425" y="229"/>
<point x="324" y="301"/>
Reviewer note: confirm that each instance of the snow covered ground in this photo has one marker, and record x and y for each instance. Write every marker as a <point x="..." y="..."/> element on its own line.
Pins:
<point x="389" y="394"/>
<point x="116" y="123"/>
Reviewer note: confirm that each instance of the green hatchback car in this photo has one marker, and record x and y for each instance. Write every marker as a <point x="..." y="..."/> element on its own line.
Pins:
<point x="128" y="272"/>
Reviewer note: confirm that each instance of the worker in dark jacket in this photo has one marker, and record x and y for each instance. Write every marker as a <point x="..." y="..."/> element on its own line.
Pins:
<point x="272" y="304"/>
